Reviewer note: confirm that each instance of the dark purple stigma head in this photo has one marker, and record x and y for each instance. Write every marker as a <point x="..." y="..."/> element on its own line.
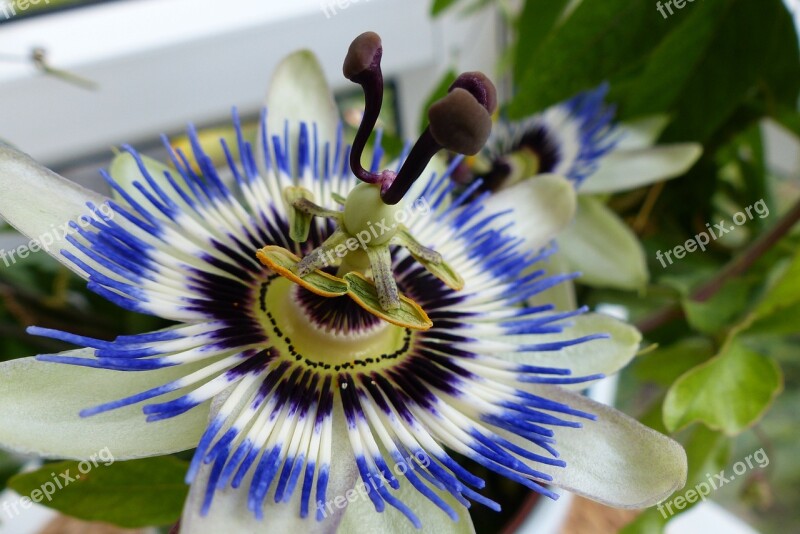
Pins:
<point x="460" y="122"/>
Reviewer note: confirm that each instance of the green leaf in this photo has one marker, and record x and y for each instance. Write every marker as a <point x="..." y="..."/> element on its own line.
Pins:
<point x="785" y="323"/>
<point x="665" y="365"/>
<point x="534" y="24"/>
<point x="783" y="294"/>
<point x="782" y="72"/>
<point x="132" y="494"/>
<point x="729" y="392"/>
<point x="725" y="68"/>
<point x="603" y="248"/>
<point x="675" y="60"/>
<point x="598" y="41"/>
<point x="440" y="5"/>
<point x="720" y="310"/>
<point x="9" y="466"/>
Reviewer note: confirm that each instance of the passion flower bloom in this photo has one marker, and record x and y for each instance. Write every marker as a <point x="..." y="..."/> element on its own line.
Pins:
<point x="338" y="332"/>
<point x="579" y="139"/>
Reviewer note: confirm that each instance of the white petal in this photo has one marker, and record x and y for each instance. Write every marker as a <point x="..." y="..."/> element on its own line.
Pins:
<point x="361" y="517"/>
<point x="628" y="169"/>
<point x="641" y="133"/>
<point x="603" y="248"/>
<point x="543" y="206"/>
<point x="229" y="512"/>
<point x="562" y="295"/>
<point x="615" y="460"/>
<point x="39" y="203"/>
<point x="125" y="171"/>
<point x="297" y="92"/>
<point x="605" y="356"/>
<point x="40" y="402"/>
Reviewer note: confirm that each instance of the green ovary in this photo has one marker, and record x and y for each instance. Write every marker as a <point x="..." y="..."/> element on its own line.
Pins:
<point x="300" y="340"/>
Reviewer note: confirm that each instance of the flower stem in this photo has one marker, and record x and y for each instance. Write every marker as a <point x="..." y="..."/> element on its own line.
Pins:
<point x="737" y="266"/>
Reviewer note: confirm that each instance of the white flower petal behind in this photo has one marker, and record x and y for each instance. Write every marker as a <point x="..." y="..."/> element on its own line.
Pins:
<point x="543" y="205"/>
<point x="603" y="248"/>
<point x="40" y="403"/>
<point x="628" y="169"/>
<point x="641" y="133"/>
<point x="562" y="295"/>
<point x="38" y="202"/>
<point x="605" y="356"/>
<point x="298" y="92"/>
<point x="615" y="460"/>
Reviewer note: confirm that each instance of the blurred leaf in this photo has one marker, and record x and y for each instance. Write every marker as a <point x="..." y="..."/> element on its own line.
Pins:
<point x="132" y="494"/>
<point x="787" y="322"/>
<point x="598" y="41"/>
<point x="9" y="466"/>
<point x="782" y="71"/>
<point x="721" y="309"/>
<point x="732" y="64"/>
<point x="440" y="5"/>
<point x="728" y="393"/>
<point x="784" y="294"/>
<point x="789" y="119"/>
<point x="665" y="365"/>
<point x="537" y="19"/>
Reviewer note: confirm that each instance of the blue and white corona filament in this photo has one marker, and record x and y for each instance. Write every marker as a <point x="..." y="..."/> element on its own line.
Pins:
<point x="569" y="139"/>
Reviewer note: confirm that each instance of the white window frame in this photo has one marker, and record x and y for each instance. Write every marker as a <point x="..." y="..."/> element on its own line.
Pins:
<point x="158" y="68"/>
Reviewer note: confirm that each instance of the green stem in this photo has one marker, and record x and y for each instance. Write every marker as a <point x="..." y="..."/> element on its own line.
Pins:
<point x="737" y="266"/>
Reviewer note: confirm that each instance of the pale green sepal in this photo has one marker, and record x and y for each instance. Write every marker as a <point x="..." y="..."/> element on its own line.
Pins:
<point x="40" y="403"/>
<point x="562" y="295"/>
<point x="622" y="170"/>
<point x="125" y="171"/>
<point x="543" y="206"/>
<point x="603" y="248"/>
<point x="614" y="460"/>
<point x="606" y="356"/>
<point x="298" y="91"/>
<point x="41" y="204"/>
<point x="640" y="133"/>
